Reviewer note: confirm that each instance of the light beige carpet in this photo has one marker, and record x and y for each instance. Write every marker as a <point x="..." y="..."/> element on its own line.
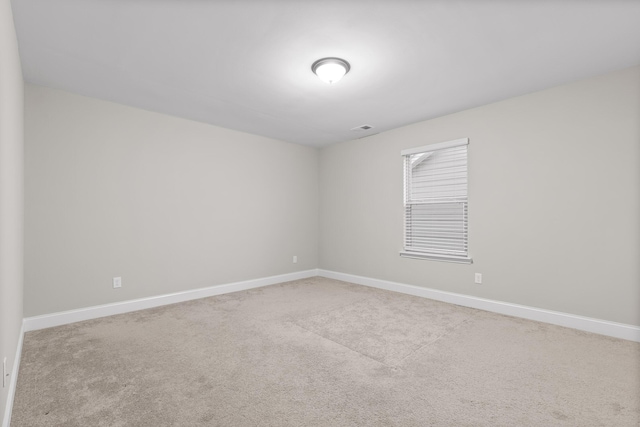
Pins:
<point x="319" y="352"/>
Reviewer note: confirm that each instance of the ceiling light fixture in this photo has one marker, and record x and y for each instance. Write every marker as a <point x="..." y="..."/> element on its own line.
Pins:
<point x="330" y="70"/>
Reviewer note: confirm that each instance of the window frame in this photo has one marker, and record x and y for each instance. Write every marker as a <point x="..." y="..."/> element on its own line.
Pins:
<point x="434" y="253"/>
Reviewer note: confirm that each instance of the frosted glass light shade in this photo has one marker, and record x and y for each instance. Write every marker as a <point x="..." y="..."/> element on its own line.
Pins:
<point x="330" y="70"/>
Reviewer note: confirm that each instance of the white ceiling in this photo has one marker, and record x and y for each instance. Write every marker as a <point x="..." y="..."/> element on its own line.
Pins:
<point x="245" y="65"/>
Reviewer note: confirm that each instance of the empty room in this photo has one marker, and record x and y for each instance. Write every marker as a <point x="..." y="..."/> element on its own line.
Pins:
<point x="319" y="213"/>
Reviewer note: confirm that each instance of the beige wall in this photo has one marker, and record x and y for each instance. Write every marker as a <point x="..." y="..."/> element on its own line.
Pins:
<point x="168" y="204"/>
<point x="11" y="193"/>
<point x="554" y="201"/>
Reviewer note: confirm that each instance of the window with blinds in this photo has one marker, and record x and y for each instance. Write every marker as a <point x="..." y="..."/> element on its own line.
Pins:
<point x="435" y="202"/>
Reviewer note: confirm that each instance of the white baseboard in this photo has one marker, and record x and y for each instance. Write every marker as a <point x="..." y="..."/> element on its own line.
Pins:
<point x="13" y="381"/>
<point x="588" y="324"/>
<point x="71" y="316"/>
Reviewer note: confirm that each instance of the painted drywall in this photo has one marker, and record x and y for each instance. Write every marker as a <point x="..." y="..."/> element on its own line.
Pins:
<point x="11" y="195"/>
<point x="554" y="201"/>
<point x="165" y="203"/>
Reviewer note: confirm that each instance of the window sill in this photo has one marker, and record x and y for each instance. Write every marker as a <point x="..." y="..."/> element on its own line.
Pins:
<point x="433" y="257"/>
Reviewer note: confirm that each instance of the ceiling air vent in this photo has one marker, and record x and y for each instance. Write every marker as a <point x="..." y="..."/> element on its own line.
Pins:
<point x="363" y="127"/>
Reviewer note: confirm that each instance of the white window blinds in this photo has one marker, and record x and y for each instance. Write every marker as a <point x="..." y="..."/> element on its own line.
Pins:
<point x="435" y="201"/>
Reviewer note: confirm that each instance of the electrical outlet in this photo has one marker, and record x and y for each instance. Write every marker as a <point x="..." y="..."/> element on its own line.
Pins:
<point x="5" y="374"/>
<point x="295" y="259"/>
<point x="479" y="278"/>
<point x="117" y="282"/>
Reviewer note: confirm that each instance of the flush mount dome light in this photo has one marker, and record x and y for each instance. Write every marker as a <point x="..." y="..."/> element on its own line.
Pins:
<point x="330" y="70"/>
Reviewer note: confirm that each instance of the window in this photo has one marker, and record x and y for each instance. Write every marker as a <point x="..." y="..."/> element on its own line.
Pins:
<point x="435" y="202"/>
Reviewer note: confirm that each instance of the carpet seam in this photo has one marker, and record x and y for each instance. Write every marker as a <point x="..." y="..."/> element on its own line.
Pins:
<point x="347" y="347"/>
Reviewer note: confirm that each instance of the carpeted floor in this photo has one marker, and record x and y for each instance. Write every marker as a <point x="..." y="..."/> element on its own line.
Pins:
<point x="320" y="352"/>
